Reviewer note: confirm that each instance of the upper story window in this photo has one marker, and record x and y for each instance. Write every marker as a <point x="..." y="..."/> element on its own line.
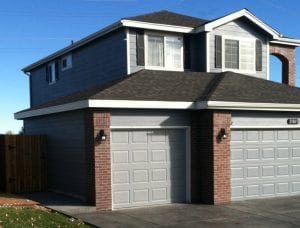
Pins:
<point x="244" y="55"/>
<point x="66" y="62"/>
<point x="52" y="72"/>
<point x="164" y="52"/>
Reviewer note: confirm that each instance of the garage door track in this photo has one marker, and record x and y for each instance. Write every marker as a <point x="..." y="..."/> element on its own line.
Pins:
<point x="276" y="212"/>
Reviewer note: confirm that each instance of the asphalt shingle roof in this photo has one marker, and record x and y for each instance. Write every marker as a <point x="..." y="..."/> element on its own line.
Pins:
<point x="169" y="18"/>
<point x="188" y="86"/>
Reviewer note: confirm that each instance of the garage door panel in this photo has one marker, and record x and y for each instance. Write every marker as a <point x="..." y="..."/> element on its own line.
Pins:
<point x="149" y="168"/>
<point x="120" y="137"/>
<point x="267" y="168"/>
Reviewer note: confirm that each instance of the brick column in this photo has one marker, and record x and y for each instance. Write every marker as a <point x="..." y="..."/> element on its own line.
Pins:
<point x="102" y="156"/>
<point x="221" y="157"/>
<point x="286" y="54"/>
<point x="210" y="157"/>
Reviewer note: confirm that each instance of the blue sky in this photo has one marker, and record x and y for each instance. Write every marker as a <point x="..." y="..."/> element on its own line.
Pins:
<point x="32" y="29"/>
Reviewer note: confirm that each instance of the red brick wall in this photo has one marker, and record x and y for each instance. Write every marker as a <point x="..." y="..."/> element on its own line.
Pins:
<point x="286" y="54"/>
<point x="210" y="157"/>
<point x="98" y="159"/>
<point x="103" y="191"/>
<point x="221" y="158"/>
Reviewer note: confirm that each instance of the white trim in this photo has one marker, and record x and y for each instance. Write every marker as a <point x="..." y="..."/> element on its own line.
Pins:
<point x="265" y="127"/>
<point x="164" y="35"/>
<point x="252" y="106"/>
<point x="128" y="50"/>
<point x="53" y="109"/>
<point x="152" y="127"/>
<point x="233" y="16"/>
<point x="141" y="104"/>
<point x="155" y="26"/>
<point x="207" y="52"/>
<point x="286" y="41"/>
<point x="187" y="153"/>
<point x="268" y="60"/>
<point x="221" y="105"/>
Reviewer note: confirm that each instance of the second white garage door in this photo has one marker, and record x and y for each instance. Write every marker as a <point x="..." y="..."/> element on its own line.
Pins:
<point x="265" y="163"/>
<point x="148" y="167"/>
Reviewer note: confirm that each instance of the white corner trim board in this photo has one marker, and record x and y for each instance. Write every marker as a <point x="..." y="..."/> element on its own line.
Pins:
<point x="183" y="105"/>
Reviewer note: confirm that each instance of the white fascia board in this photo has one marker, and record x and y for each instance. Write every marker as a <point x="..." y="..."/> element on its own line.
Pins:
<point x="154" y="26"/>
<point x="106" y="104"/>
<point x="253" y="106"/>
<point x="141" y="104"/>
<point x="180" y="105"/>
<point x="286" y="41"/>
<point x="231" y="17"/>
<point x="53" y="109"/>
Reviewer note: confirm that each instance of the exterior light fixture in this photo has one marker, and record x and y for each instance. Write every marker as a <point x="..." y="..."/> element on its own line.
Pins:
<point x="223" y="133"/>
<point x="101" y="136"/>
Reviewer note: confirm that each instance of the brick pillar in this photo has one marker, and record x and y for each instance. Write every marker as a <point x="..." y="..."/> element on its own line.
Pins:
<point x="210" y="157"/>
<point x="286" y="54"/>
<point x="221" y="157"/>
<point x="102" y="158"/>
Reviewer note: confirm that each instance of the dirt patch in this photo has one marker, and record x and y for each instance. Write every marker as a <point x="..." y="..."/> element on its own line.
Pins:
<point x="14" y="200"/>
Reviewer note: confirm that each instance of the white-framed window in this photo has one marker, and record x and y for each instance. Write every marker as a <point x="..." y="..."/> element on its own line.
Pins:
<point x="163" y="52"/>
<point x="238" y="54"/>
<point x="51" y="73"/>
<point x="66" y="62"/>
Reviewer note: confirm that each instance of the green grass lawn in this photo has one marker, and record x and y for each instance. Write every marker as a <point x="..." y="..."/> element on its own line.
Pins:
<point x="17" y="217"/>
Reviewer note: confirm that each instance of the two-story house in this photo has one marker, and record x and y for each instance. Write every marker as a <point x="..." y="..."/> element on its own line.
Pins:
<point x="164" y="107"/>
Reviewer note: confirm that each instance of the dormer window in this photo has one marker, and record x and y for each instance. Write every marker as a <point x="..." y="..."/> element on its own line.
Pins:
<point x="164" y="52"/>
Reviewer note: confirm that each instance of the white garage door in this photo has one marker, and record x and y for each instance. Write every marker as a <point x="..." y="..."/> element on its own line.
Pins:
<point x="265" y="163"/>
<point x="148" y="167"/>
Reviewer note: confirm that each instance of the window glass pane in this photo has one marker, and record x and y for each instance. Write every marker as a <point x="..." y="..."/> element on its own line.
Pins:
<point x="173" y="52"/>
<point x="247" y="55"/>
<point x="155" y="50"/>
<point x="52" y="72"/>
<point x="231" y="54"/>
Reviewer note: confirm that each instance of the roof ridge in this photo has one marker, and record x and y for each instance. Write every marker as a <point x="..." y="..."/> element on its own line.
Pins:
<point x="212" y="86"/>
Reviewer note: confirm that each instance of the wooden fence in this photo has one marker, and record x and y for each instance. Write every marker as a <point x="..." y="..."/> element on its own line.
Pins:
<point x="23" y="163"/>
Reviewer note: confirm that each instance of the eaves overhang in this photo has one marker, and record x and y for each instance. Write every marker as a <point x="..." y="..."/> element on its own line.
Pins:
<point x="139" y="104"/>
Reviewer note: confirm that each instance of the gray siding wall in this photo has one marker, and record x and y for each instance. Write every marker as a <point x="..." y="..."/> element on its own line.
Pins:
<point x="133" y="53"/>
<point x="238" y="29"/>
<point x="263" y="119"/>
<point x="129" y="118"/>
<point x="67" y="171"/>
<point x="93" y="64"/>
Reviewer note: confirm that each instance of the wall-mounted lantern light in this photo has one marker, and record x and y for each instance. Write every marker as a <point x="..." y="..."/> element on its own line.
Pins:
<point x="223" y="133"/>
<point x="101" y="136"/>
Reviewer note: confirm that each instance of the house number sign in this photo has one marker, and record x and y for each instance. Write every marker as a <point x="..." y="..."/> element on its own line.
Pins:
<point x="292" y="121"/>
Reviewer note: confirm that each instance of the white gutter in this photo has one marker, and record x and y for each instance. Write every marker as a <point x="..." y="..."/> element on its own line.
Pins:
<point x="286" y="41"/>
<point x="131" y="104"/>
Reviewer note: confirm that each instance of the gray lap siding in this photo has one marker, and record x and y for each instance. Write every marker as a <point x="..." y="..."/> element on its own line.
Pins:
<point x="93" y="64"/>
<point x="66" y="157"/>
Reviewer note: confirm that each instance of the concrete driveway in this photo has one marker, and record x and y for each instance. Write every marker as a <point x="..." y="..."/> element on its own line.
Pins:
<point x="279" y="212"/>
